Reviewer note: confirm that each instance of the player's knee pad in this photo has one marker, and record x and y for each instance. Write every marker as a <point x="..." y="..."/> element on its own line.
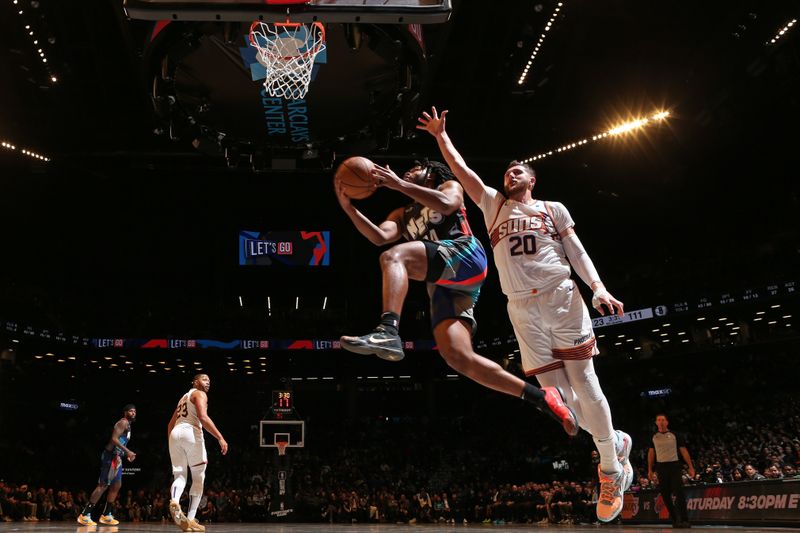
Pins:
<point x="198" y="479"/>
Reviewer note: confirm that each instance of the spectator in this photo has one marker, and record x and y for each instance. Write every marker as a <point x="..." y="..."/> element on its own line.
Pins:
<point x="751" y="474"/>
<point x="773" y="472"/>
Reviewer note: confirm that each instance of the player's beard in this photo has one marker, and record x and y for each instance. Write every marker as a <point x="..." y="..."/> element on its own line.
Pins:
<point x="511" y="191"/>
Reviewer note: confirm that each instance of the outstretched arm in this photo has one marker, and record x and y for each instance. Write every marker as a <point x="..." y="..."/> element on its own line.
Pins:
<point x="584" y="267"/>
<point x="435" y="125"/>
<point x="387" y="232"/>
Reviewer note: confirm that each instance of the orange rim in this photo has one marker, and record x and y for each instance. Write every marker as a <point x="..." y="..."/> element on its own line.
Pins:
<point x="320" y="28"/>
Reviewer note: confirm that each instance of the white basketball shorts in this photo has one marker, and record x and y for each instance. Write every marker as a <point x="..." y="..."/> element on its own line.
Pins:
<point x="186" y="447"/>
<point x="552" y="327"/>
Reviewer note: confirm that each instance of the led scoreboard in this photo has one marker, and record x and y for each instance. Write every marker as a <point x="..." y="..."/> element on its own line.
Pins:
<point x="282" y="401"/>
<point x="293" y="248"/>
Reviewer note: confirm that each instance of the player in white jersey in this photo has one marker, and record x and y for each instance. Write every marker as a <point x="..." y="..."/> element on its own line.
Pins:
<point x="534" y="245"/>
<point x="187" y="450"/>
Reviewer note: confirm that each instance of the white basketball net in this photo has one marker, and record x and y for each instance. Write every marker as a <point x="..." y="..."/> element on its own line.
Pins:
<point x="287" y="51"/>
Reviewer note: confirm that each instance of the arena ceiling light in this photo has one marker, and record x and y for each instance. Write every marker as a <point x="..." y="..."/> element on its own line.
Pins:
<point x="35" y="40"/>
<point x="782" y="31"/>
<point x="616" y="131"/>
<point x="24" y="151"/>
<point x="537" y="47"/>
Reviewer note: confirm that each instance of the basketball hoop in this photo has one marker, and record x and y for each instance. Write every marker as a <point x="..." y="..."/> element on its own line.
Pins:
<point x="282" y="447"/>
<point x="287" y="50"/>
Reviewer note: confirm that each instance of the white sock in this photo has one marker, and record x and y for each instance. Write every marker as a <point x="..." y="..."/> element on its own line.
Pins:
<point x="194" y="503"/>
<point x="608" y="454"/>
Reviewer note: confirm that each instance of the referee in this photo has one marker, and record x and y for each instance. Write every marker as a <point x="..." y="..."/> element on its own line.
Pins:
<point x="663" y="461"/>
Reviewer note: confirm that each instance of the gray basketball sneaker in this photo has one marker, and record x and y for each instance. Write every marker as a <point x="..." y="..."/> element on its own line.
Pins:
<point x="379" y="342"/>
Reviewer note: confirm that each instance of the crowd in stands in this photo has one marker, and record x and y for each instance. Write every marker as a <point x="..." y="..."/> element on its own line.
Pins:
<point x="477" y="456"/>
<point x="410" y="471"/>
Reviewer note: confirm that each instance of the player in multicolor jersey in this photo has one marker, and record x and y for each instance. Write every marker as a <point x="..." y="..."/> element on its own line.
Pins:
<point x="534" y="245"/>
<point x="442" y="251"/>
<point x="111" y="470"/>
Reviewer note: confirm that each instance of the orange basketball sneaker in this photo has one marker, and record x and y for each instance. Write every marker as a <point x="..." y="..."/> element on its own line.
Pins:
<point x="108" y="520"/>
<point x="554" y="398"/>
<point x="612" y="487"/>
<point x="86" y="520"/>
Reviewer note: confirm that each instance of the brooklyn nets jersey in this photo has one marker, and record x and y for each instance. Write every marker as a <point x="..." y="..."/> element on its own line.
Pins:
<point x="525" y="240"/>
<point x="423" y="223"/>
<point x="123" y="439"/>
<point x="187" y="412"/>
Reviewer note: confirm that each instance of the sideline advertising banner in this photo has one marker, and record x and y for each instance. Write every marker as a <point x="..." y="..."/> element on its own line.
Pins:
<point x="771" y="501"/>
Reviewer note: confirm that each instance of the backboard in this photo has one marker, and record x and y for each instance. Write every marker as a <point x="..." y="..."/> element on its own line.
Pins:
<point x="273" y="431"/>
<point x="366" y="11"/>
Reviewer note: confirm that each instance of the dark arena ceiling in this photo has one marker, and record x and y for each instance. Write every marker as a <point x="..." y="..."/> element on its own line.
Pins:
<point x="158" y="158"/>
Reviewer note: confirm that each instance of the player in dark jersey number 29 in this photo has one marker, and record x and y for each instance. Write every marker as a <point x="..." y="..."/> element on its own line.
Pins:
<point x="442" y="251"/>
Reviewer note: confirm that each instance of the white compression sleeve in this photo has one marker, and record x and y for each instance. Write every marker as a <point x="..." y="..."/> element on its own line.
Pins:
<point x="580" y="260"/>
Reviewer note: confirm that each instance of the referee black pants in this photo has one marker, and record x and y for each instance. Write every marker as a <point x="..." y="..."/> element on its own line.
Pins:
<point x="670" y="483"/>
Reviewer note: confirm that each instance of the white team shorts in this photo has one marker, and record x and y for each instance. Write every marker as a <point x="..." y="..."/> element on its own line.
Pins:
<point x="551" y="327"/>
<point x="186" y="447"/>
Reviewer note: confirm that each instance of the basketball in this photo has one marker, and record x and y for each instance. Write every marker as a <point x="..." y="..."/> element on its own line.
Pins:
<point x="354" y="175"/>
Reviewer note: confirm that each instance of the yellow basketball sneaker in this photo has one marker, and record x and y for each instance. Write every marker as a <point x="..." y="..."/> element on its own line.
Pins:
<point x="86" y="520"/>
<point x="178" y="517"/>
<point x="609" y="502"/>
<point x="108" y="520"/>
<point x="195" y="525"/>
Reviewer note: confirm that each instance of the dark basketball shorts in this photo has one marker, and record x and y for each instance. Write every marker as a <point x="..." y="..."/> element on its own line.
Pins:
<point x="110" y="468"/>
<point x="456" y="271"/>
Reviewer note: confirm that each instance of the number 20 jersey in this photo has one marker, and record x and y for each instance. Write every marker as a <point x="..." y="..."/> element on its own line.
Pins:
<point x="525" y="242"/>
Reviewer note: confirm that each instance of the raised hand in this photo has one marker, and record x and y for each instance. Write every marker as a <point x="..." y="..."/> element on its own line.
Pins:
<point x="432" y="122"/>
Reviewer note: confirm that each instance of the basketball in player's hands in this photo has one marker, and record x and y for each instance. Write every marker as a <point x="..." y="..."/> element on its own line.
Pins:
<point x="355" y="176"/>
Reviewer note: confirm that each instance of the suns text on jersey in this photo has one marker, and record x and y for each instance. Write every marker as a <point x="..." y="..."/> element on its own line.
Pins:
<point x="518" y="225"/>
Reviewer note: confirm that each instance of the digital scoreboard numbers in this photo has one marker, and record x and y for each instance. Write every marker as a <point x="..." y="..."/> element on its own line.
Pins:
<point x="282" y="401"/>
<point x="292" y="248"/>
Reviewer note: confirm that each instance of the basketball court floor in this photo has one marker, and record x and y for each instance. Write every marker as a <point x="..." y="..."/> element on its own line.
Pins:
<point x="64" y="527"/>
